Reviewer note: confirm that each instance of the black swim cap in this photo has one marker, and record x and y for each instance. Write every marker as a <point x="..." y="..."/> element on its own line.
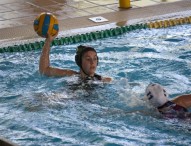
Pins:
<point x="80" y="52"/>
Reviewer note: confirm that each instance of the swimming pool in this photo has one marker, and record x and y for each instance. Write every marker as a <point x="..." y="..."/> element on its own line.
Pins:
<point x="37" y="110"/>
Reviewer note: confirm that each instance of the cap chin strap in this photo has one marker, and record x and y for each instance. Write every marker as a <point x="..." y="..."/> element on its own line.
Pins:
<point x="166" y="104"/>
<point x="85" y="72"/>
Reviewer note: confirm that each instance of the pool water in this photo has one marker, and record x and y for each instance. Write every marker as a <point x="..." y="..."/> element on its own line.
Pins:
<point x="37" y="110"/>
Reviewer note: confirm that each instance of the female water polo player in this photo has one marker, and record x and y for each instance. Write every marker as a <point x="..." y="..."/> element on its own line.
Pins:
<point x="86" y="58"/>
<point x="176" y="108"/>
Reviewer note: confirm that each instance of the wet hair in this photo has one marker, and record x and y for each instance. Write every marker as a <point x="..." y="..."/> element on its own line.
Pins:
<point x="80" y="52"/>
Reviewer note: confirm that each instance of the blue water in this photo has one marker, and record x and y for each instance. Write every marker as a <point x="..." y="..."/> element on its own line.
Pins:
<point x="37" y="110"/>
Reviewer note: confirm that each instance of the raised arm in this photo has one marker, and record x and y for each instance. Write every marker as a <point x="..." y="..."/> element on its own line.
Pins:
<point x="183" y="100"/>
<point x="44" y="64"/>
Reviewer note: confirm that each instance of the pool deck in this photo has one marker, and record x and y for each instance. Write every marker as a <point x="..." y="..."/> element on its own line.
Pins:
<point x="17" y="16"/>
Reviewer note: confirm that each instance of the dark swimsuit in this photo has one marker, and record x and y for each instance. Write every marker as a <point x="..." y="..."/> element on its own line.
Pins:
<point x="96" y="77"/>
<point x="172" y="110"/>
<point x="87" y="83"/>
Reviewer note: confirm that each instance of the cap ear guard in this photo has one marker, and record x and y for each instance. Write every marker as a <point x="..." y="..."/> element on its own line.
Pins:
<point x="78" y="60"/>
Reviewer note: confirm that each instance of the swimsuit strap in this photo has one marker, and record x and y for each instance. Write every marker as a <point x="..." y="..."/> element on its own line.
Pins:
<point x="98" y="77"/>
<point x="95" y="77"/>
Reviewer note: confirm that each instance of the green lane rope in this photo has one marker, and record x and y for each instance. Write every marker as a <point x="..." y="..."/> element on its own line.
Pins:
<point x="79" y="38"/>
<point x="82" y="38"/>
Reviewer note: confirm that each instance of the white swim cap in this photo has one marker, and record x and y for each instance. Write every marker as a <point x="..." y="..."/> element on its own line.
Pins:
<point x="156" y="95"/>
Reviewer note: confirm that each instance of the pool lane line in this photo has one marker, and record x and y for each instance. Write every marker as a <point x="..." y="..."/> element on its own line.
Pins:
<point x="169" y="23"/>
<point x="87" y="37"/>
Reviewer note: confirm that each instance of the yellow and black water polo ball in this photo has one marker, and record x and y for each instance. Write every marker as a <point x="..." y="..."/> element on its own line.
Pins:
<point x="46" y="23"/>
